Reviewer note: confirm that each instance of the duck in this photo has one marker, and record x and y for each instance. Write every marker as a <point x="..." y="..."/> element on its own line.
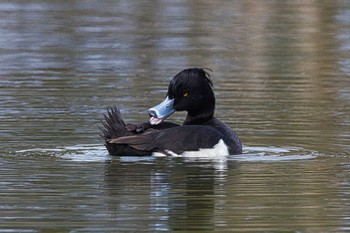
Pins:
<point x="201" y="133"/>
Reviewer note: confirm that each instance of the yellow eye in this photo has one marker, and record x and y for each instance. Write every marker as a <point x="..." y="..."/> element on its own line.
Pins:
<point x="185" y="94"/>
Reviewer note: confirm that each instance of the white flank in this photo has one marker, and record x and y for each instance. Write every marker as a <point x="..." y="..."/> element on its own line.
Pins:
<point x="158" y="154"/>
<point x="219" y="150"/>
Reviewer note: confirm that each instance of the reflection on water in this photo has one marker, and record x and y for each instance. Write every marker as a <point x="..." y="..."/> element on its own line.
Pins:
<point x="281" y="78"/>
<point x="269" y="189"/>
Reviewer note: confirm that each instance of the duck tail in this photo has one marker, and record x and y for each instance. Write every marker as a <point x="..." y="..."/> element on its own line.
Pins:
<point x="113" y="125"/>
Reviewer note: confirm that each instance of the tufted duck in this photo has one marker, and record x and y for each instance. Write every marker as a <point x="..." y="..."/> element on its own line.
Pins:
<point x="200" y="135"/>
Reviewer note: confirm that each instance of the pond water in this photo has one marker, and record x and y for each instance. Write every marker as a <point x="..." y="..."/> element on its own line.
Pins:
<point x="281" y="73"/>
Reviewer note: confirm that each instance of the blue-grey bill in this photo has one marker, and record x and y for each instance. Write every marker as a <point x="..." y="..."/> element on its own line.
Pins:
<point x="160" y="112"/>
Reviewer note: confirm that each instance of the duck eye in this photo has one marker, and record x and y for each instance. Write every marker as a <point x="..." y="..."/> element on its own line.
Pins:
<point x="185" y="94"/>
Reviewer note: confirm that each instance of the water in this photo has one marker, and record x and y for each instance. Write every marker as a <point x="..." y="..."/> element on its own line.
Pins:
<point x="281" y="73"/>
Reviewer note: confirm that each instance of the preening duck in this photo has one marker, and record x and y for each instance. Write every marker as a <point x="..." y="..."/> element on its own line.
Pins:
<point x="200" y="135"/>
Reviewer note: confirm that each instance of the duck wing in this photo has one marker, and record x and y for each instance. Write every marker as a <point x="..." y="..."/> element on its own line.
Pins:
<point x="175" y="139"/>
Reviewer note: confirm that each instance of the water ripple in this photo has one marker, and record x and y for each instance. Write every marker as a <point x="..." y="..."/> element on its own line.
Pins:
<point x="97" y="152"/>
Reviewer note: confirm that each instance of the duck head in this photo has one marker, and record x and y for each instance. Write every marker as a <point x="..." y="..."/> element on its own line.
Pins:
<point x="190" y="90"/>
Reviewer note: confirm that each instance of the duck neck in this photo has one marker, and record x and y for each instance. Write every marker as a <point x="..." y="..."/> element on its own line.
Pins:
<point x="197" y="119"/>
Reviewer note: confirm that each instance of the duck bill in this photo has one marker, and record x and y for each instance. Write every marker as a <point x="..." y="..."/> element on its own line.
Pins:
<point x="160" y="112"/>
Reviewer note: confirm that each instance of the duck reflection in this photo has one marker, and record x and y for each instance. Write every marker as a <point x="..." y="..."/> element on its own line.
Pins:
<point x="164" y="194"/>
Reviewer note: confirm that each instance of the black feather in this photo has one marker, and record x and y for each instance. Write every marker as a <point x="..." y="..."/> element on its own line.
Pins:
<point x="120" y="139"/>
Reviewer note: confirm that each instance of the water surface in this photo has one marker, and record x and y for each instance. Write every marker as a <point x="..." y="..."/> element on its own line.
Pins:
<point x="281" y="73"/>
